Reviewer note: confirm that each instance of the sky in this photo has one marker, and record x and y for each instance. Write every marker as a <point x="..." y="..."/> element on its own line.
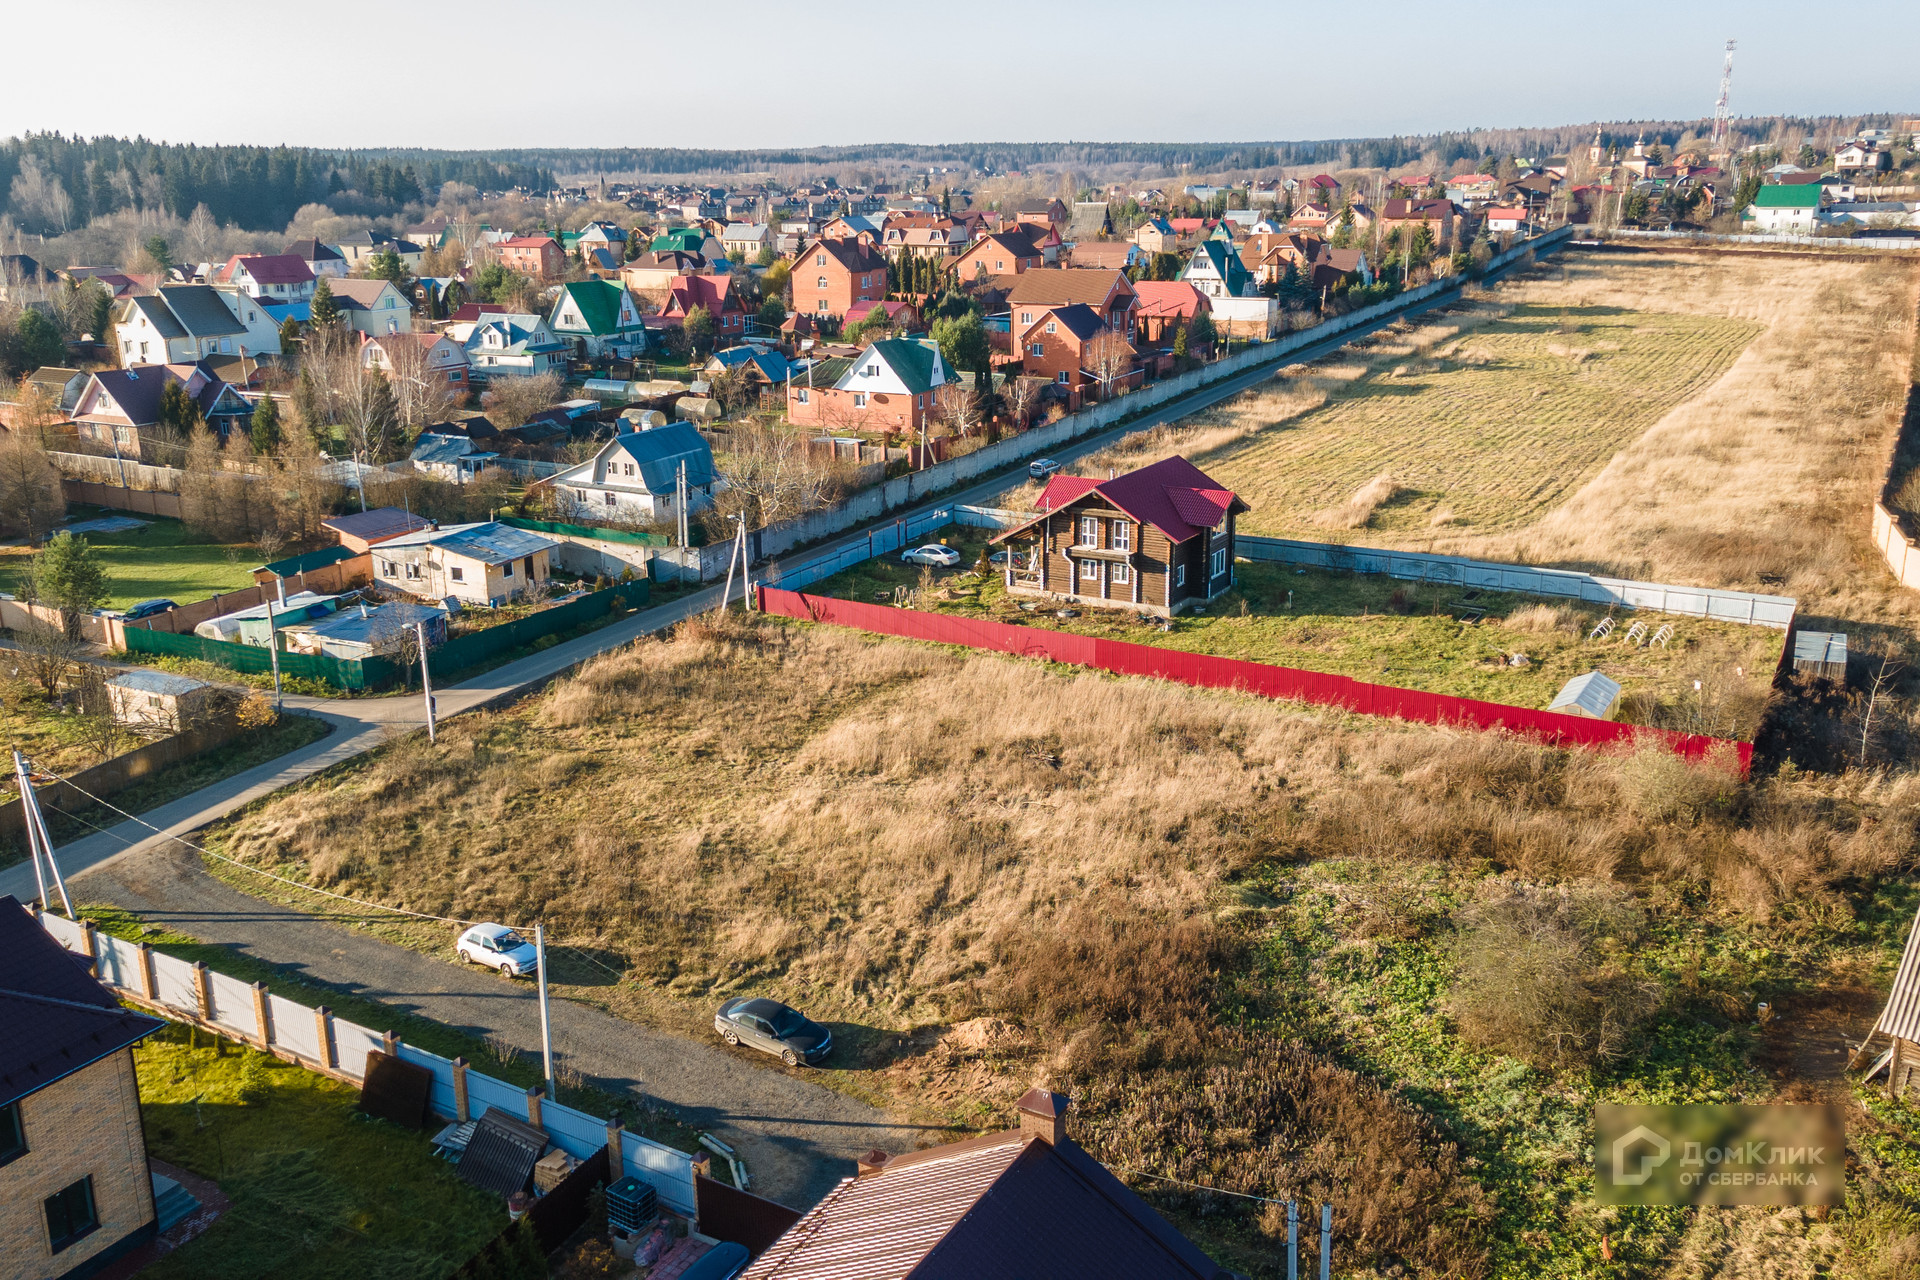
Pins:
<point x="516" y="73"/>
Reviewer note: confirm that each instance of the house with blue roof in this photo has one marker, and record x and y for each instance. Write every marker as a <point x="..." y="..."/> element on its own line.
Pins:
<point x="635" y="477"/>
<point x="764" y="368"/>
<point x="484" y="563"/>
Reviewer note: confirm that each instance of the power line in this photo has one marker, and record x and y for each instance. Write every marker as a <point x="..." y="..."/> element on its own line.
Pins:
<point x="1244" y="1195"/>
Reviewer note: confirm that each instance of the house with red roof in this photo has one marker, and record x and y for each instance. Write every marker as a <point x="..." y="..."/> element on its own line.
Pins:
<point x="540" y="257"/>
<point x="716" y="294"/>
<point x="1159" y="539"/>
<point x="1165" y="307"/>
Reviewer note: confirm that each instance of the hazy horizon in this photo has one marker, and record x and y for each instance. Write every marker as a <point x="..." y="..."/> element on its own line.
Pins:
<point x="1082" y="72"/>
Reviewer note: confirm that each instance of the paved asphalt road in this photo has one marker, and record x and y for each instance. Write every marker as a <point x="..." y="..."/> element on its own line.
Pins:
<point x="798" y="1138"/>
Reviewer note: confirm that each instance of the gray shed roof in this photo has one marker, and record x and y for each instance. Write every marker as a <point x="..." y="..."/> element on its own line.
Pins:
<point x="159" y="682"/>
<point x="488" y="541"/>
<point x="200" y="308"/>
<point x="158" y="314"/>
<point x="1902" y="1015"/>
<point x="660" y="450"/>
<point x="366" y="626"/>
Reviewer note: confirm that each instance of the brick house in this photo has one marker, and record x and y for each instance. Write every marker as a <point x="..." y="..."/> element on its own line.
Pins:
<point x="717" y="295"/>
<point x="1048" y="215"/>
<point x="1001" y="253"/>
<point x="1107" y="291"/>
<point x="1158" y="539"/>
<point x="75" y="1189"/>
<point x="1165" y="307"/>
<point x="540" y="257"/>
<point x="829" y="276"/>
<point x="1068" y="345"/>
<point x="891" y="386"/>
<point x="1439" y="217"/>
<point x="1024" y="1202"/>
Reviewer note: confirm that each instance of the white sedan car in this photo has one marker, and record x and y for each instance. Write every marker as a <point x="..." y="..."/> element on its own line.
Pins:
<point x="934" y="554"/>
<point x="500" y="947"/>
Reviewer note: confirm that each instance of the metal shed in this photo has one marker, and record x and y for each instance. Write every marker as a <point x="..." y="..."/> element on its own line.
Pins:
<point x="1821" y="653"/>
<point x="1589" y="694"/>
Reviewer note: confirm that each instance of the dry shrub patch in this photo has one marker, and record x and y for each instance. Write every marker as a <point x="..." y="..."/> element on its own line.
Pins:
<point x="1128" y="889"/>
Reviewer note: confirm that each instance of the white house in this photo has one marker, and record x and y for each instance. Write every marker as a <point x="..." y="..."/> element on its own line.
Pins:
<point x="372" y="306"/>
<point x="274" y="277"/>
<point x="746" y="238"/>
<point x="1861" y="157"/>
<point x="1233" y="294"/>
<point x="454" y="459"/>
<point x="509" y="344"/>
<point x="634" y="477"/>
<point x="1786" y="209"/>
<point x="186" y="322"/>
<point x="486" y="563"/>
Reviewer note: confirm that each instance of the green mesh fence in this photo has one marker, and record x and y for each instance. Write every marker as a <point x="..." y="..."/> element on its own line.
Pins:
<point x="381" y="673"/>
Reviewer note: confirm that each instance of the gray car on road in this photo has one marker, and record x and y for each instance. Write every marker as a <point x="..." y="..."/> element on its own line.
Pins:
<point x="771" y="1027"/>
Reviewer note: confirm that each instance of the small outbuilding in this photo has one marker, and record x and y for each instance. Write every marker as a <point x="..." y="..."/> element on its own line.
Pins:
<point x="365" y="632"/>
<point x="1590" y="694"/>
<point x="1821" y="653"/>
<point x="158" y="699"/>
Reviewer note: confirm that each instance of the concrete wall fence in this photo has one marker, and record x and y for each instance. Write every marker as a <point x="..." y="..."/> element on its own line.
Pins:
<point x="1208" y="672"/>
<point x="315" y="1039"/>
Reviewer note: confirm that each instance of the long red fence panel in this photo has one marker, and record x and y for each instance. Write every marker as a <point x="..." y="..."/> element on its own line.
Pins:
<point x="1208" y="672"/>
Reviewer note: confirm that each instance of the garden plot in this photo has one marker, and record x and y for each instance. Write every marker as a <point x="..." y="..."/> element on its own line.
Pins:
<point x="1707" y="677"/>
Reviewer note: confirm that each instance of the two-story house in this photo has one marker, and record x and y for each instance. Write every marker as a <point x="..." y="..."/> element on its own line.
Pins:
<point x="1159" y="539"/>
<point x="184" y="322"/>
<point x="599" y="317"/>
<point x="417" y="355"/>
<point x="538" y="257"/>
<point x="120" y="408"/>
<point x="889" y="387"/>
<point x="1439" y="217"/>
<point x="717" y="294"/>
<point x="831" y="275"/>
<point x="321" y="259"/>
<point x="269" y="277"/>
<point x="1073" y="349"/>
<point x="1107" y="291"/>
<point x="1239" y="307"/>
<point x="372" y="306"/>
<point x="509" y="344"/>
<point x="635" y="477"/>
<point x="75" y="1189"/>
<point x="999" y="253"/>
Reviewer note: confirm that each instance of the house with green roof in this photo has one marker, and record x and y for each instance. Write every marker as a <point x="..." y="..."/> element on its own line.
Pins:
<point x="599" y="318"/>
<point x="892" y="386"/>
<point x="1785" y="208"/>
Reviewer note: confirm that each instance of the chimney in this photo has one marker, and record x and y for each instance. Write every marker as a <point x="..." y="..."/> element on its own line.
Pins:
<point x="1043" y="1115"/>
<point x="872" y="1162"/>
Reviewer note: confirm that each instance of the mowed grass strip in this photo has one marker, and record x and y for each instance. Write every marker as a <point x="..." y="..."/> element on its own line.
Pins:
<point x="164" y="560"/>
<point x="1487" y="431"/>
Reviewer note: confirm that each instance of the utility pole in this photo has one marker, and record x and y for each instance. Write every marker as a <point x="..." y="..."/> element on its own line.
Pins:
<point x="1326" y="1241"/>
<point x="546" y="1027"/>
<point x="426" y="683"/>
<point x="273" y="646"/>
<point x="38" y="838"/>
<point x="33" y="842"/>
<point x="1293" y="1240"/>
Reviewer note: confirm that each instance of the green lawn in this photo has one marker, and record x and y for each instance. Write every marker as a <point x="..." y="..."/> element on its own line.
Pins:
<point x="317" y="1189"/>
<point x="1385" y="631"/>
<point x="164" y="560"/>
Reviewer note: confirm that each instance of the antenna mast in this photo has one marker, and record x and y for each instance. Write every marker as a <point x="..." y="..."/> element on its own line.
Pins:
<point x="1721" y="116"/>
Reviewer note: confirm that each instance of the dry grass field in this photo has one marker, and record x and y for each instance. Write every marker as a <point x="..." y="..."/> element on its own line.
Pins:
<point x="1241" y="934"/>
<point x="1712" y="419"/>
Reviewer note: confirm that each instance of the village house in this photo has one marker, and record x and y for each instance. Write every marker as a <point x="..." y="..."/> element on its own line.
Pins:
<point x="362" y="245"/>
<point x="537" y="257"/>
<point x="1113" y="255"/>
<point x="1026" y="1202"/>
<point x="486" y="563"/>
<point x="902" y="317"/>
<point x="717" y="295"/>
<point x="1158" y="539"/>
<point x="744" y="241"/>
<point x="508" y="344"/>
<point x="1165" y="307"/>
<point x="1156" y="235"/>
<point x="831" y="275"/>
<point x="1108" y="292"/>
<point x="321" y="259"/>
<point x="75" y="1189"/>
<point x="372" y="306"/>
<point x="635" y="477"/>
<point x="889" y="387"/>
<point x="120" y="408"/>
<point x="653" y="272"/>
<point x="1239" y="307"/>
<point x="1268" y="255"/>
<point x="423" y="355"/>
<point x="275" y="277"/>
<point x="456" y="459"/>
<point x="184" y="322"/>
<point x="1861" y="157"/>
<point x="1439" y="217"/>
<point x="599" y="318"/>
<point x="1074" y="350"/>
<point x="159" y="699"/>
<point x="999" y="253"/>
<point x="364" y="529"/>
<point x="1048" y="216"/>
<point x="1794" y="210"/>
<point x="1502" y="220"/>
<point x="367" y="631"/>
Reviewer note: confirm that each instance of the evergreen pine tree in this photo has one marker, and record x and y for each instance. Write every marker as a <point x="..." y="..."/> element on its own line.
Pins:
<point x="529" y="1259"/>
<point x="265" y="429"/>
<point x="325" y="312"/>
<point x="1180" y="346"/>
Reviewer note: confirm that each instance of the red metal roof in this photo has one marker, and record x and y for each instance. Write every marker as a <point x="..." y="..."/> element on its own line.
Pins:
<point x="1167" y="298"/>
<point x="1172" y="495"/>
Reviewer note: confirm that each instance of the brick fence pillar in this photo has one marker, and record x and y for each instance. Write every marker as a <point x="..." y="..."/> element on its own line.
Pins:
<point x="534" y="1097"/>
<point x="203" y="988"/>
<point x="262" y="1014"/>
<point x="323" y="1024"/>
<point x="616" y="1151"/>
<point x="390" y="1042"/>
<point x="148" y="985"/>
<point x="91" y="934"/>
<point x="461" y="1111"/>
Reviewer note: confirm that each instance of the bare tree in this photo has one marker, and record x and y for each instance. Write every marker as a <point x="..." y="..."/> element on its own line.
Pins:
<point x="770" y="477"/>
<point x="1109" y="357"/>
<point x="47" y="653"/>
<point x="1883" y="671"/>
<point x="203" y="234"/>
<point x="30" y="501"/>
<point x="99" y="725"/>
<point x="510" y="401"/>
<point x="959" y="407"/>
<point x="733" y="388"/>
<point x="421" y="394"/>
<point x="1023" y="396"/>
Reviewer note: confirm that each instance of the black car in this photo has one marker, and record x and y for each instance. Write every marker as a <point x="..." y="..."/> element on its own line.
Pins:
<point x="770" y="1026"/>
<point x="147" y="608"/>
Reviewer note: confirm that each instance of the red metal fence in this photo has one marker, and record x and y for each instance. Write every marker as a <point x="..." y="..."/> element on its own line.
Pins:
<point x="1208" y="672"/>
